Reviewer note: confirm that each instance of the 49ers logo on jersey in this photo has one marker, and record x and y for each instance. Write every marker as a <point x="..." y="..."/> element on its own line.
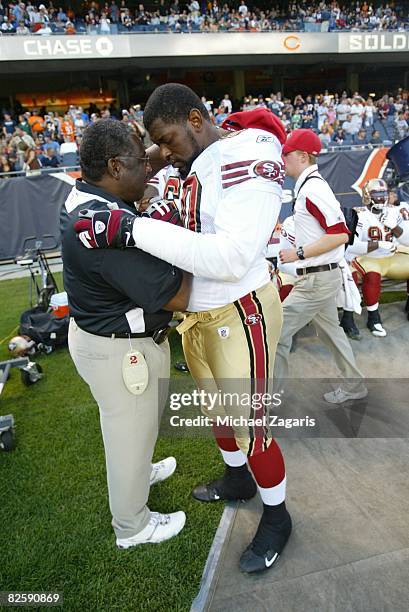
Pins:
<point x="253" y="319"/>
<point x="270" y="170"/>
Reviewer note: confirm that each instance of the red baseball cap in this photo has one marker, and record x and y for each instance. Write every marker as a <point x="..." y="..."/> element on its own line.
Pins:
<point x="260" y="118"/>
<point x="302" y="140"/>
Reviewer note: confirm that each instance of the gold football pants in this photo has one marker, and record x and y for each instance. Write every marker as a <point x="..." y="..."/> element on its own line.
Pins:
<point x="230" y="351"/>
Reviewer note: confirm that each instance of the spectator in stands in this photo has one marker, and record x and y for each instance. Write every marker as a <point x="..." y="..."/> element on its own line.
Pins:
<point x="62" y="16"/>
<point x="50" y="143"/>
<point x="113" y="12"/>
<point x="357" y="113"/>
<point x="22" y="29"/>
<point x="5" y="165"/>
<point x="348" y="127"/>
<point x="21" y="136"/>
<point x="360" y="138"/>
<point x="36" y="123"/>
<point x="69" y="27"/>
<point x="23" y="124"/>
<point x="29" y="157"/>
<point x="325" y="137"/>
<point x="8" y="125"/>
<point x="376" y="138"/>
<point x="343" y="109"/>
<point x="401" y="125"/>
<point x="339" y="137"/>
<point x="49" y="159"/>
<point x="226" y="102"/>
<point x="207" y="104"/>
<point x="104" y="24"/>
<point x="307" y="118"/>
<point x="67" y="128"/>
<point x="7" y="26"/>
<point x="369" y="112"/>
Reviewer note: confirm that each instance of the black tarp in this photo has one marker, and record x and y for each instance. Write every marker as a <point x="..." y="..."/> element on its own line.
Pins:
<point x="30" y="206"/>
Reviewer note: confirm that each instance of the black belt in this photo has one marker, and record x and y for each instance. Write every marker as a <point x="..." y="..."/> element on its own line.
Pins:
<point x="158" y="335"/>
<point x="312" y="269"/>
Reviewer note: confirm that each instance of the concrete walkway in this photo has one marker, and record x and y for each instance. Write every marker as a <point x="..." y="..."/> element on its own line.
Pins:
<point x="349" y="499"/>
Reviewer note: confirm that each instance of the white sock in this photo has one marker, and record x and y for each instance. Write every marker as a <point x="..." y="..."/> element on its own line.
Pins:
<point x="233" y="458"/>
<point x="272" y="496"/>
<point x="373" y="307"/>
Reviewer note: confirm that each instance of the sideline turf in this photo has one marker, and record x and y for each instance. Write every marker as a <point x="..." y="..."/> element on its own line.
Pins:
<point x="54" y="515"/>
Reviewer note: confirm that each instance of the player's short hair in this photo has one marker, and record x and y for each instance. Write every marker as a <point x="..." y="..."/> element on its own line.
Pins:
<point x="172" y="103"/>
<point x="102" y="140"/>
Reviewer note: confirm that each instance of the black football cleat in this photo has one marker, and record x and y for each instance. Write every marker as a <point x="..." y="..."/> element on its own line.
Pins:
<point x="232" y="486"/>
<point x="374" y="324"/>
<point x="267" y="545"/>
<point x="348" y="325"/>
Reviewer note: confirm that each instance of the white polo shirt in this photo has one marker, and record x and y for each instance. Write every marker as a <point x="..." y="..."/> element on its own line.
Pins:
<point x="317" y="212"/>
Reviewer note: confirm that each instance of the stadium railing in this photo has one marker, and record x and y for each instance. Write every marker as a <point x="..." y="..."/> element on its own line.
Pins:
<point x="38" y="171"/>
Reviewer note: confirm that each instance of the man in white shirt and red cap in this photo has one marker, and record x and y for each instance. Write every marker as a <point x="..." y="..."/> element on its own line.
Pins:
<point x="320" y="236"/>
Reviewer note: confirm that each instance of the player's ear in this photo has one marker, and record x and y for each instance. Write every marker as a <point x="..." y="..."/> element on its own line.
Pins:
<point x="195" y="119"/>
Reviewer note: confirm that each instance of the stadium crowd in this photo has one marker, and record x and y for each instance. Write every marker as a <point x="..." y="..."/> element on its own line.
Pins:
<point x="116" y="16"/>
<point x="35" y="139"/>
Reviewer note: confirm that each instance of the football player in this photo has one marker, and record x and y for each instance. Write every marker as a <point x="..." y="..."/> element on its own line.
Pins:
<point x="230" y="202"/>
<point x="380" y="230"/>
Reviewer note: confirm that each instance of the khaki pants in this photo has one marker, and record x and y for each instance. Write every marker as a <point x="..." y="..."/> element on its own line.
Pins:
<point x="232" y="349"/>
<point x="129" y="423"/>
<point x="313" y="300"/>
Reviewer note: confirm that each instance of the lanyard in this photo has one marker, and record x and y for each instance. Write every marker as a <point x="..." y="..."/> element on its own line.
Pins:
<point x="308" y="178"/>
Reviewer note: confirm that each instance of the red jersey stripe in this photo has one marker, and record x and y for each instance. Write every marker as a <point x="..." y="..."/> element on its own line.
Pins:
<point x="226" y="185"/>
<point x="239" y="164"/>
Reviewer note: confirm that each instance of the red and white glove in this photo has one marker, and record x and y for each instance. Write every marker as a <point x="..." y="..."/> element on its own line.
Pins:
<point x="163" y="210"/>
<point x="101" y="229"/>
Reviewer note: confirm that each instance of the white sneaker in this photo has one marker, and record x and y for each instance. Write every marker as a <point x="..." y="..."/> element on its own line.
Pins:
<point x="161" y="527"/>
<point x="162" y="470"/>
<point x="377" y="330"/>
<point x="339" y="396"/>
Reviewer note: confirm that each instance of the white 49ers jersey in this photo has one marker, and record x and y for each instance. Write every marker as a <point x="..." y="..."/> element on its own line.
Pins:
<point x="231" y="200"/>
<point x="368" y="228"/>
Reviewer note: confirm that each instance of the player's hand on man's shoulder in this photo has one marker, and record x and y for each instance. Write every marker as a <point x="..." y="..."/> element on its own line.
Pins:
<point x="101" y="229"/>
<point x="163" y="210"/>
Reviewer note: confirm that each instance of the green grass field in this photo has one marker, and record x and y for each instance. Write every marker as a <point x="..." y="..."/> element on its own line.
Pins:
<point x="55" y="520"/>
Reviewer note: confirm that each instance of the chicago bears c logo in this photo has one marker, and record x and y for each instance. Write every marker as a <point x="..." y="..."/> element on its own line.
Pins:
<point x="253" y="319"/>
<point x="270" y="170"/>
<point x="374" y="168"/>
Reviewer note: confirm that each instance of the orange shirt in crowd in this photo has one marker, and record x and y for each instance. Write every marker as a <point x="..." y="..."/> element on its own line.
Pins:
<point x="67" y="129"/>
<point x="36" y="123"/>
